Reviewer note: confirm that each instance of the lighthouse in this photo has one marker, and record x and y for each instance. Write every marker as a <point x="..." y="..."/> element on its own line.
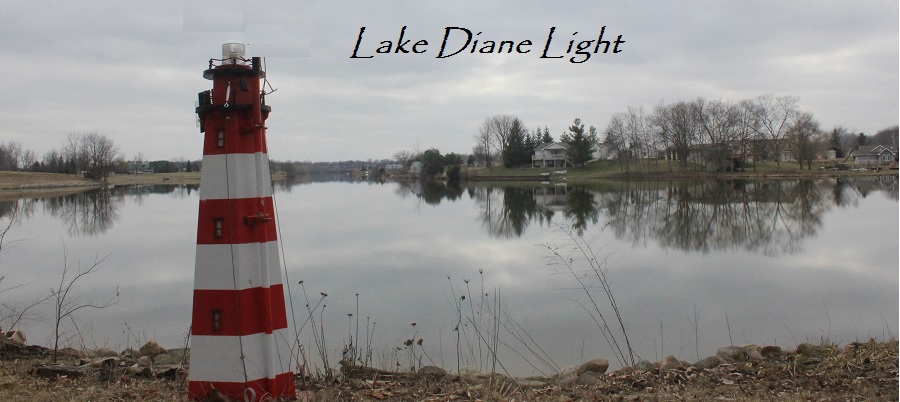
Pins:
<point x="240" y="340"/>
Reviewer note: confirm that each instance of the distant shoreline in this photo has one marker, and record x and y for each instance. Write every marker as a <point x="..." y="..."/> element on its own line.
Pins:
<point x="14" y="185"/>
<point x="769" y="175"/>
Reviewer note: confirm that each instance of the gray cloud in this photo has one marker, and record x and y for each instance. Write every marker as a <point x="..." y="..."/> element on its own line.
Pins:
<point x="132" y="71"/>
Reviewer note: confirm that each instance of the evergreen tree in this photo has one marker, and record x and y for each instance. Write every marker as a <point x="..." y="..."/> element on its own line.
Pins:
<point x="837" y="141"/>
<point x="533" y="139"/>
<point x="580" y="144"/>
<point x="515" y="151"/>
<point x="547" y="138"/>
<point x="432" y="162"/>
<point x="454" y="174"/>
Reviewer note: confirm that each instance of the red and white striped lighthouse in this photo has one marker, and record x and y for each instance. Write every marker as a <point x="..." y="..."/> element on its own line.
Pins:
<point x="240" y="340"/>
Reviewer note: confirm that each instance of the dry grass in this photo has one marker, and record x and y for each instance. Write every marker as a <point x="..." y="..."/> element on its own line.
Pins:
<point x="15" y="185"/>
<point x="156" y="178"/>
<point x="857" y="372"/>
<point x="17" y="383"/>
<point x="20" y="179"/>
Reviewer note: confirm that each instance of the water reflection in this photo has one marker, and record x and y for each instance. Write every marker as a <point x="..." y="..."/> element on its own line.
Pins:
<point x="93" y="212"/>
<point x="390" y="236"/>
<point x="772" y="217"/>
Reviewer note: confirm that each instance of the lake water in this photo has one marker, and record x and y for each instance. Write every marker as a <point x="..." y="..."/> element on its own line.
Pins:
<point x="692" y="266"/>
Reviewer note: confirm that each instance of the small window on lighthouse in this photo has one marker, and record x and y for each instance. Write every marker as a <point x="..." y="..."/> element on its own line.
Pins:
<point x="221" y="139"/>
<point x="217" y="228"/>
<point x="217" y="320"/>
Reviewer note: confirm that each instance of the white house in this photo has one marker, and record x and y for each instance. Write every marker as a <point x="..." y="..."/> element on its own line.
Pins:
<point x="415" y="167"/>
<point x="550" y="154"/>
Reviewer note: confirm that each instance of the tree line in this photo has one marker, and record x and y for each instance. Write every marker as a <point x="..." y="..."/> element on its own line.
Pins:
<point x="722" y="135"/>
<point x="710" y="134"/>
<point x="92" y="155"/>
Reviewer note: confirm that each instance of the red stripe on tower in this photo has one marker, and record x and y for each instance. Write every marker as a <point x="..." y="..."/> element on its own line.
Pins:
<point x="240" y="340"/>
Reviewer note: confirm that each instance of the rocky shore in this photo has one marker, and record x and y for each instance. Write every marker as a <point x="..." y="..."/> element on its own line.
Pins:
<point x="856" y="371"/>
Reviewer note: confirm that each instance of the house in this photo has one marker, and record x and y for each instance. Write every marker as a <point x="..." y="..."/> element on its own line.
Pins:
<point x="874" y="154"/>
<point x="603" y="152"/>
<point x="550" y="154"/>
<point x="136" y="167"/>
<point x="552" y="198"/>
<point x="718" y="157"/>
<point x="416" y="167"/>
<point x="553" y="154"/>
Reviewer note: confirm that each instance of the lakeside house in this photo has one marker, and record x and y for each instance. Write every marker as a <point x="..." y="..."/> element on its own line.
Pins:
<point x="136" y="167"/>
<point x="416" y="167"/>
<point x="551" y="154"/>
<point x="552" y="198"/>
<point x="874" y="154"/>
<point x="735" y="154"/>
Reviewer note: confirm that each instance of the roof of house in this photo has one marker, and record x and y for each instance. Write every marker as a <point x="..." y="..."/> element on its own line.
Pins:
<point x="549" y="144"/>
<point x="873" y="150"/>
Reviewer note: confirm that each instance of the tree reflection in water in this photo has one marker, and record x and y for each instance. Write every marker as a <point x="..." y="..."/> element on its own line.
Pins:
<point x="772" y="217"/>
<point x="91" y="212"/>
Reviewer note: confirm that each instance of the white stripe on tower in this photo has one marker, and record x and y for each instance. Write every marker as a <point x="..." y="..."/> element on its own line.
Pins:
<point x="257" y="353"/>
<point x="239" y="333"/>
<point x="241" y="181"/>
<point x="214" y="266"/>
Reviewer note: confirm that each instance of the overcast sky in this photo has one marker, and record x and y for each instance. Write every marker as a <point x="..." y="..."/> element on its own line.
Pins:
<point x="132" y="70"/>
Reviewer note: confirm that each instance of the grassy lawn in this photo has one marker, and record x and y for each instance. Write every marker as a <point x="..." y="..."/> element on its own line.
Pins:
<point x="156" y="178"/>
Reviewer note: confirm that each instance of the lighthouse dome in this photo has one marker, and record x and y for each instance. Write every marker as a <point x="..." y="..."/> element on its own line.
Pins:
<point x="234" y="52"/>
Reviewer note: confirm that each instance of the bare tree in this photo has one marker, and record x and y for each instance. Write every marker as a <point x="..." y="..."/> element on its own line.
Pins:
<point x="745" y="134"/>
<point x="660" y="123"/>
<point x="484" y="143"/>
<point x="27" y="159"/>
<point x="887" y="136"/>
<point x="615" y="138"/>
<point x="676" y="129"/>
<point x="639" y="135"/>
<point x="404" y="157"/>
<point x="53" y="161"/>
<point x="13" y="313"/>
<point x="74" y="151"/>
<point x="4" y="229"/>
<point x="500" y="127"/>
<point x="66" y="303"/>
<point x="804" y="136"/>
<point x="718" y="123"/>
<point x="773" y="117"/>
<point x="10" y="155"/>
<point x="101" y="155"/>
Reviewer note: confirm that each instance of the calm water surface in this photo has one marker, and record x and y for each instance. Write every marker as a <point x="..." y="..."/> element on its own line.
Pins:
<point x="693" y="266"/>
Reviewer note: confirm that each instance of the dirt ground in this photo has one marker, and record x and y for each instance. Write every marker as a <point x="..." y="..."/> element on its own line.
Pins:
<point x="865" y="371"/>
